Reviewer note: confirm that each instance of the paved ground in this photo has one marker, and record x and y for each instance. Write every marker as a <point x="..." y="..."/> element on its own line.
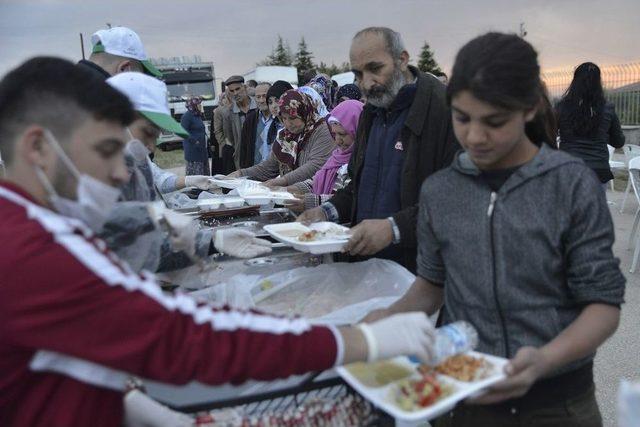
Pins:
<point x="619" y="357"/>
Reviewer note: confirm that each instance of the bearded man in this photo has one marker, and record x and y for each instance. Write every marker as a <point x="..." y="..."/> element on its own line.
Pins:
<point x="404" y="135"/>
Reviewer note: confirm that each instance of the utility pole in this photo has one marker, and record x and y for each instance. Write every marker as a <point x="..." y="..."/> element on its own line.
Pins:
<point x="523" y="32"/>
<point x="82" y="45"/>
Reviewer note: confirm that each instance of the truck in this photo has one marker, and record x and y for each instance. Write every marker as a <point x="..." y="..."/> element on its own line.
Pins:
<point x="186" y="77"/>
<point x="271" y="73"/>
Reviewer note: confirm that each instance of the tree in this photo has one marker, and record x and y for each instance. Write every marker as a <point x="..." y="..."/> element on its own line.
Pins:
<point x="281" y="55"/>
<point x="333" y="69"/>
<point x="304" y="59"/>
<point x="426" y="61"/>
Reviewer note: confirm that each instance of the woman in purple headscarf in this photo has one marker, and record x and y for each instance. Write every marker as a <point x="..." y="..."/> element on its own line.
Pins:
<point x="343" y="122"/>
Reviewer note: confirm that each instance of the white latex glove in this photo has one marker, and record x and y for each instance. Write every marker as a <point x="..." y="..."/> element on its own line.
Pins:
<point x="199" y="181"/>
<point x="142" y="411"/>
<point x="182" y="231"/>
<point x="405" y="334"/>
<point x="240" y="243"/>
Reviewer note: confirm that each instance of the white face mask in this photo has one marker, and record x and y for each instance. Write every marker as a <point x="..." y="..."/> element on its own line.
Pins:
<point x="137" y="149"/>
<point x="95" y="199"/>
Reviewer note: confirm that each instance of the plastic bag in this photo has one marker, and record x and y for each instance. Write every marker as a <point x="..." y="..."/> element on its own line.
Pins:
<point x="131" y="233"/>
<point x="180" y="201"/>
<point x="338" y="293"/>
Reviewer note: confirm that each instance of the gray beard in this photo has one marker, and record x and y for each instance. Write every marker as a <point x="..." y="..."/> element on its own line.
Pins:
<point x="385" y="99"/>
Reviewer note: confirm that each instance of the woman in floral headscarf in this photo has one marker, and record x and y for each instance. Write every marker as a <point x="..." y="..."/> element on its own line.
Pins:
<point x="195" y="146"/>
<point x="333" y="176"/>
<point x="301" y="147"/>
<point x="316" y="100"/>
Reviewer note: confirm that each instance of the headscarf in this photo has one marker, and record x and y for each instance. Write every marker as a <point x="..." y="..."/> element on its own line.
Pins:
<point x="192" y="105"/>
<point x="351" y="91"/>
<point x="322" y="84"/>
<point x="346" y="113"/>
<point x="298" y="105"/>
<point x="316" y="100"/>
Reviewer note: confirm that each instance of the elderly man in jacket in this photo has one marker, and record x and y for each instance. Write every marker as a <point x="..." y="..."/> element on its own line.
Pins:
<point x="234" y="115"/>
<point x="404" y="135"/>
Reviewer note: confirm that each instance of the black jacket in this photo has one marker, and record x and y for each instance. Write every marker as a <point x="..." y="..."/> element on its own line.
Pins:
<point x="592" y="149"/>
<point x="248" y="139"/>
<point x="430" y="145"/>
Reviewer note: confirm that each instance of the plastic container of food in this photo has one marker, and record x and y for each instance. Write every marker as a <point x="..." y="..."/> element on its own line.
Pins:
<point x="317" y="238"/>
<point x="220" y="203"/>
<point x="230" y="183"/>
<point x="391" y="397"/>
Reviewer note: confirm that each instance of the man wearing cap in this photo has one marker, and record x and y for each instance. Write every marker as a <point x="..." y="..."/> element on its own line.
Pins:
<point x="116" y="50"/>
<point x="149" y="98"/>
<point x="235" y="114"/>
<point x="254" y="146"/>
<point x="129" y="230"/>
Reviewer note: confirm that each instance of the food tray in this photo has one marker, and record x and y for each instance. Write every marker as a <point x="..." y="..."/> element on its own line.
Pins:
<point x="258" y="195"/>
<point x="230" y="183"/>
<point x="384" y="397"/>
<point x="241" y="211"/>
<point x="220" y="202"/>
<point x="324" y="245"/>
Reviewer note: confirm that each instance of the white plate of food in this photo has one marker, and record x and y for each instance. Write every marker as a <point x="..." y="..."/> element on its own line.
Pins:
<point x="316" y="238"/>
<point x="411" y="392"/>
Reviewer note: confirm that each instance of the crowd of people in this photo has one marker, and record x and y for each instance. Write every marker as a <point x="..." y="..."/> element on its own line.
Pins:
<point x="460" y="181"/>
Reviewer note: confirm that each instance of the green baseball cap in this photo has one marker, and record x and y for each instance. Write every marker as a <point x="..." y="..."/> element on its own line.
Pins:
<point x="149" y="97"/>
<point x="123" y="41"/>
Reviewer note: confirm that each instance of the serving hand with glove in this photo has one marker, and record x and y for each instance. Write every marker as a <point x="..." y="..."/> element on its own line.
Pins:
<point x="201" y="182"/>
<point x="401" y="334"/>
<point x="240" y="243"/>
<point x="182" y="231"/>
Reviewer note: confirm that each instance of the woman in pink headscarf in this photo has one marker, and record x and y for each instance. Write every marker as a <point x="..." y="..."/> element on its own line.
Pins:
<point x="343" y="122"/>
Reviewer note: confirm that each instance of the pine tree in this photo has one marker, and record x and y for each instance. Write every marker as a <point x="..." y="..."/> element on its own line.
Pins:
<point x="427" y="63"/>
<point x="304" y="59"/>
<point x="281" y="55"/>
<point x="333" y="69"/>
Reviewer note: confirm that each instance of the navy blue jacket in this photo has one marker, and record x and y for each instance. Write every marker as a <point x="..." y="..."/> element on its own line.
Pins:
<point x="428" y="144"/>
<point x="195" y="147"/>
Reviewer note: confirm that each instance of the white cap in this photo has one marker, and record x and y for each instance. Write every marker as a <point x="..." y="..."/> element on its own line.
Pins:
<point x="149" y="97"/>
<point x="123" y="41"/>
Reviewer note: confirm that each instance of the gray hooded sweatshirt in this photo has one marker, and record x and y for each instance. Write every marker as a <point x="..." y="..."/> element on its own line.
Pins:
<point x="520" y="263"/>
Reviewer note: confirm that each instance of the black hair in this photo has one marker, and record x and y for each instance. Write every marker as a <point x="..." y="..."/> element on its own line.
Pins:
<point x="58" y="95"/>
<point x="252" y="83"/>
<point x="438" y="73"/>
<point x="584" y="100"/>
<point x="502" y="70"/>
